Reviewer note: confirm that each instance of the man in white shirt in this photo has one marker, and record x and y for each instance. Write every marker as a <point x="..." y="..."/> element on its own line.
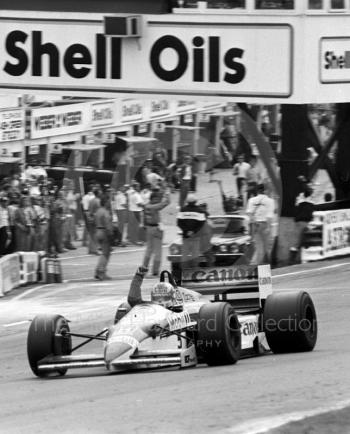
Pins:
<point x="240" y="171"/>
<point x="135" y="211"/>
<point x="120" y="205"/>
<point x="85" y="200"/>
<point x="260" y="210"/>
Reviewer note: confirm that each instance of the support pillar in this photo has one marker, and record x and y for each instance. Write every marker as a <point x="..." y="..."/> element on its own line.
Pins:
<point x="342" y="157"/>
<point x="293" y="163"/>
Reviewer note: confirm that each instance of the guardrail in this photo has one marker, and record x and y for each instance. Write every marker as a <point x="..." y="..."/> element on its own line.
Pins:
<point x="22" y="268"/>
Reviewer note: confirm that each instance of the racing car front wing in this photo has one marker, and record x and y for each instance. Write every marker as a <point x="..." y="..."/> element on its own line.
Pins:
<point x="138" y="360"/>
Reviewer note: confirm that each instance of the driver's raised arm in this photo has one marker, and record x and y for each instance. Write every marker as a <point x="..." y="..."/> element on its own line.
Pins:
<point x="134" y="296"/>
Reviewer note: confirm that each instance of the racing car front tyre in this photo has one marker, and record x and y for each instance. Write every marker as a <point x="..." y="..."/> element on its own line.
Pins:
<point x="45" y="338"/>
<point x="219" y="335"/>
<point x="290" y="322"/>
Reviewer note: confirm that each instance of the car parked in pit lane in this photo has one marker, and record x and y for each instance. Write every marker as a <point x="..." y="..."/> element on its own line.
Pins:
<point x="244" y="318"/>
<point x="230" y="242"/>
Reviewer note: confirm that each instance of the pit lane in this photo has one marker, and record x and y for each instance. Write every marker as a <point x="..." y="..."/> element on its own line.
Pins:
<point x="230" y="399"/>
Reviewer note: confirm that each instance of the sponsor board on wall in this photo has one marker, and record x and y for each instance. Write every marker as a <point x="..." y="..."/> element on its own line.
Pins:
<point x="12" y="125"/>
<point x="103" y="114"/>
<point x="335" y="60"/>
<point x="177" y="57"/>
<point x="53" y="121"/>
<point x="131" y="110"/>
<point x="336" y="232"/>
<point x="160" y="107"/>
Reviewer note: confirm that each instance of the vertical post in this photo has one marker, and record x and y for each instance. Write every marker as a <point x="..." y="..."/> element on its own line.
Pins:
<point x="218" y="127"/>
<point x="343" y="152"/>
<point x="175" y="138"/>
<point x="196" y="134"/>
<point x="293" y="162"/>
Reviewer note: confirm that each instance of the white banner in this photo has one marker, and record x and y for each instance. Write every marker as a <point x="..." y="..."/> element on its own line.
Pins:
<point x="335" y="60"/>
<point x="160" y="108"/>
<point x="53" y="121"/>
<point x="182" y="57"/>
<point x="132" y="110"/>
<point x="103" y="114"/>
<point x="336" y="232"/>
<point x="12" y="125"/>
<point x="9" y="273"/>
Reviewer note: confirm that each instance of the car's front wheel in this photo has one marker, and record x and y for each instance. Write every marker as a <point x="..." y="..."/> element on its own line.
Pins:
<point x="46" y="337"/>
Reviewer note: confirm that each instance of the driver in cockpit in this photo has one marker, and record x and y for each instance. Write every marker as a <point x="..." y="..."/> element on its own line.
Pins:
<point x="163" y="293"/>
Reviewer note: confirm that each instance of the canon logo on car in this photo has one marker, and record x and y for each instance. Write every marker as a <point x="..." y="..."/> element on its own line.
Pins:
<point x="221" y="274"/>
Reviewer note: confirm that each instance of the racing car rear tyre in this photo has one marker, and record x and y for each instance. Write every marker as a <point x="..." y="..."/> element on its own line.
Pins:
<point x="45" y="338"/>
<point x="290" y="322"/>
<point x="219" y="335"/>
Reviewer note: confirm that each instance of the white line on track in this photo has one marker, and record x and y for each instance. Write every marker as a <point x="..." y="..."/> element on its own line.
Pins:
<point x="120" y="278"/>
<point x="16" y="323"/>
<point x="311" y="270"/>
<point x="139" y="249"/>
<point x="30" y="291"/>
<point x="260" y="426"/>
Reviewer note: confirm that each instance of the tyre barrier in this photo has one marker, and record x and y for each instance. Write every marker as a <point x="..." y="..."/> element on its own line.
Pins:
<point x="23" y="268"/>
<point x="51" y="270"/>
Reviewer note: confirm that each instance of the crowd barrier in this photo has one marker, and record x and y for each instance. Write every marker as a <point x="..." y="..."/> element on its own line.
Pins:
<point x="22" y="268"/>
<point x="327" y="235"/>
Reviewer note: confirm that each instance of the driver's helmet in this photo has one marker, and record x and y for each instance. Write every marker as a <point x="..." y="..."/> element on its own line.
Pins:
<point x="164" y="293"/>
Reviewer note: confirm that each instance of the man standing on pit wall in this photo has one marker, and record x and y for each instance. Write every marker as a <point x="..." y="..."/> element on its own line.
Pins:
<point x="304" y="208"/>
<point x="240" y="171"/>
<point x="154" y="231"/>
<point x="120" y="204"/>
<point x="260" y="210"/>
<point x="93" y="206"/>
<point x="104" y="236"/>
<point x="190" y="220"/>
<point x="186" y="174"/>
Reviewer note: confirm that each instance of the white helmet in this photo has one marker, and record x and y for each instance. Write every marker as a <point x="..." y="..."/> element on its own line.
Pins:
<point x="163" y="293"/>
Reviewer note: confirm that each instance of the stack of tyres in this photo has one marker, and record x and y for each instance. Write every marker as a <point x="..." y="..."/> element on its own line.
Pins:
<point x="51" y="270"/>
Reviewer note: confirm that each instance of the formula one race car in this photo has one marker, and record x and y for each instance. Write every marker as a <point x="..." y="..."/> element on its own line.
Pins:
<point x="243" y="318"/>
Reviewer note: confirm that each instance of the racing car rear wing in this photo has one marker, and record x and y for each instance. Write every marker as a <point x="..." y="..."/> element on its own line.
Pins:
<point x="244" y="287"/>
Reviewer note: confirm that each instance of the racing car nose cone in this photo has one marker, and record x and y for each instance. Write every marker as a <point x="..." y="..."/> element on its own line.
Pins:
<point x="116" y="349"/>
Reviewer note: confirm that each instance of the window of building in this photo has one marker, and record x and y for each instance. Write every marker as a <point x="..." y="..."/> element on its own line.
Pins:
<point x="337" y="4"/>
<point x="228" y="4"/>
<point x="274" y="4"/>
<point x="315" y="4"/>
<point x="214" y="4"/>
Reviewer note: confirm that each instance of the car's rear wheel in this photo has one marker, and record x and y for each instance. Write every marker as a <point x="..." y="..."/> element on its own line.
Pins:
<point x="219" y="334"/>
<point x="46" y="337"/>
<point x="290" y="322"/>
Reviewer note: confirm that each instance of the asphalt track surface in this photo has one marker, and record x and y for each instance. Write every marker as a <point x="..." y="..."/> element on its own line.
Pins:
<point x="256" y="395"/>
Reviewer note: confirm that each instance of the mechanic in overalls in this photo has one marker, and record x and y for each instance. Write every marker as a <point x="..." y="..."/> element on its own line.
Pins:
<point x="190" y="220"/>
<point x="104" y="236"/>
<point x="154" y="232"/>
